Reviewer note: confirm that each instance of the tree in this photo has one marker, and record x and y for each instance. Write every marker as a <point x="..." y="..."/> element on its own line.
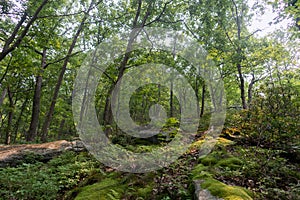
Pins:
<point x="17" y="35"/>
<point x="49" y="40"/>
<point x="50" y="112"/>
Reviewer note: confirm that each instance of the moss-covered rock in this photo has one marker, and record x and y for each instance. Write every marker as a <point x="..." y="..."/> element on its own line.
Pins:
<point x="224" y="142"/>
<point x="200" y="172"/>
<point x="196" y="145"/>
<point x="218" y="162"/>
<point x="209" y="161"/>
<point x="224" y="191"/>
<point x="107" y="189"/>
<point x="232" y="163"/>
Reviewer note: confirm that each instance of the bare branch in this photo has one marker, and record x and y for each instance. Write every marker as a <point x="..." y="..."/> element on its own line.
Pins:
<point x="63" y="15"/>
<point x="9" y="47"/>
<point x="258" y="30"/>
<point x="138" y="12"/>
<point x="6" y="70"/>
<point x="61" y="59"/>
<point x="190" y="30"/>
<point x="160" y="15"/>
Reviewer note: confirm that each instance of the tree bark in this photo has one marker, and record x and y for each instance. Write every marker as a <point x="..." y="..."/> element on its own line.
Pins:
<point x="202" y="100"/>
<point x="250" y="89"/>
<point x="32" y="133"/>
<point x="242" y="86"/>
<point x="171" y="99"/>
<point x="61" y="128"/>
<point x="10" y="117"/>
<point x="17" y="125"/>
<point x="197" y="95"/>
<point x="3" y="95"/>
<point x="238" y="18"/>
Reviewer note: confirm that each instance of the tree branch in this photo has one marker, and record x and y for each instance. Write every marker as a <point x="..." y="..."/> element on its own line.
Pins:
<point x="8" y="47"/>
<point x="61" y="59"/>
<point x="160" y="15"/>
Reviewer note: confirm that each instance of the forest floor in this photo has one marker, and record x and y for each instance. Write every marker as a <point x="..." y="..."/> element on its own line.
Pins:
<point x="232" y="170"/>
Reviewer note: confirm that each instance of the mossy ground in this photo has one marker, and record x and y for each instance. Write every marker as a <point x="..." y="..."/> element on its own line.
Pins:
<point x="118" y="186"/>
<point x="106" y="189"/>
<point x="225" y="172"/>
<point x="213" y="165"/>
<point x="160" y="184"/>
<point x="224" y="191"/>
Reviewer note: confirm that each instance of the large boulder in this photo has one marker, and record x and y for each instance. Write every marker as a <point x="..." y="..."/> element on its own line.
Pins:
<point x="203" y="194"/>
<point x="12" y="155"/>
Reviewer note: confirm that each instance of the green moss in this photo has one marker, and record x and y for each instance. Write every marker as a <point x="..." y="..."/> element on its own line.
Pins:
<point x="209" y="161"/>
<point x="224" y="191"/>
<point x="232" y="163"/>
<point x="225" y="142"/>
<point x="107" y="189"/>
<point x="221" y="142"/>
<point x="213" y="164"/>
<point x="196" y="145"/>
<point x="200" y="172"/>
<point x="145" y="192"/>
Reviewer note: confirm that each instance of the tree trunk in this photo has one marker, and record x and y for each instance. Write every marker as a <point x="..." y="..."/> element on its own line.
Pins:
<point x="84" y="103"/>
<point x="197" y="96"/>
<point x="107" y="114"/>
<point x="50" y="112"/>
<point x="134" y="33"/>
<point x="17" y="125"/>
<point x="10" y="117"/>
<point x="202" y="100"/>
<point x="239" y="18"/>
<point x="36" y="101"/>
<point x="61" y="128"/>
<point x="171" y="99"/>
<point x="250" y="89"/>
<point x="242" y="86"/>
<point x="3" y="95"/>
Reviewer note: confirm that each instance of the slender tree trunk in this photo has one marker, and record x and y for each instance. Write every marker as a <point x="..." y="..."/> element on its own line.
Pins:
<point x="197" y="96"/>
<point x="198" y="103"/>
<point x="172" y="84"/>
<point x="242" y="86"/>
<point x="250" y="90"/>
<point x="84" y="103"/>
<point x="17" y="125"/>
<point x="171" y="99"/>
<point x="202" y="100"/>
<point x="134" y="33"/>
<point x="32" y="133"/>
<point x="10" y="117"/>
<point x="3" y="95"/>
<point x="239" y="18"/>
<point x="213" y="97"/>
<point x="50" y="112"/>
<point x="6" y="70"/>
<point x="61" y="128"/>
<point x="107" y="114"/>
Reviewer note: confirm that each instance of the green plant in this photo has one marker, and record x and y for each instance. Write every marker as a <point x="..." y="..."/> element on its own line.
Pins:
<point x="46" y="180"/>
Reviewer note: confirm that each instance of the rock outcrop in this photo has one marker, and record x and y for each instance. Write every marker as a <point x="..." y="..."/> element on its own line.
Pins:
<point x="12" y="155"/>
<point x="203" y="194"/>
